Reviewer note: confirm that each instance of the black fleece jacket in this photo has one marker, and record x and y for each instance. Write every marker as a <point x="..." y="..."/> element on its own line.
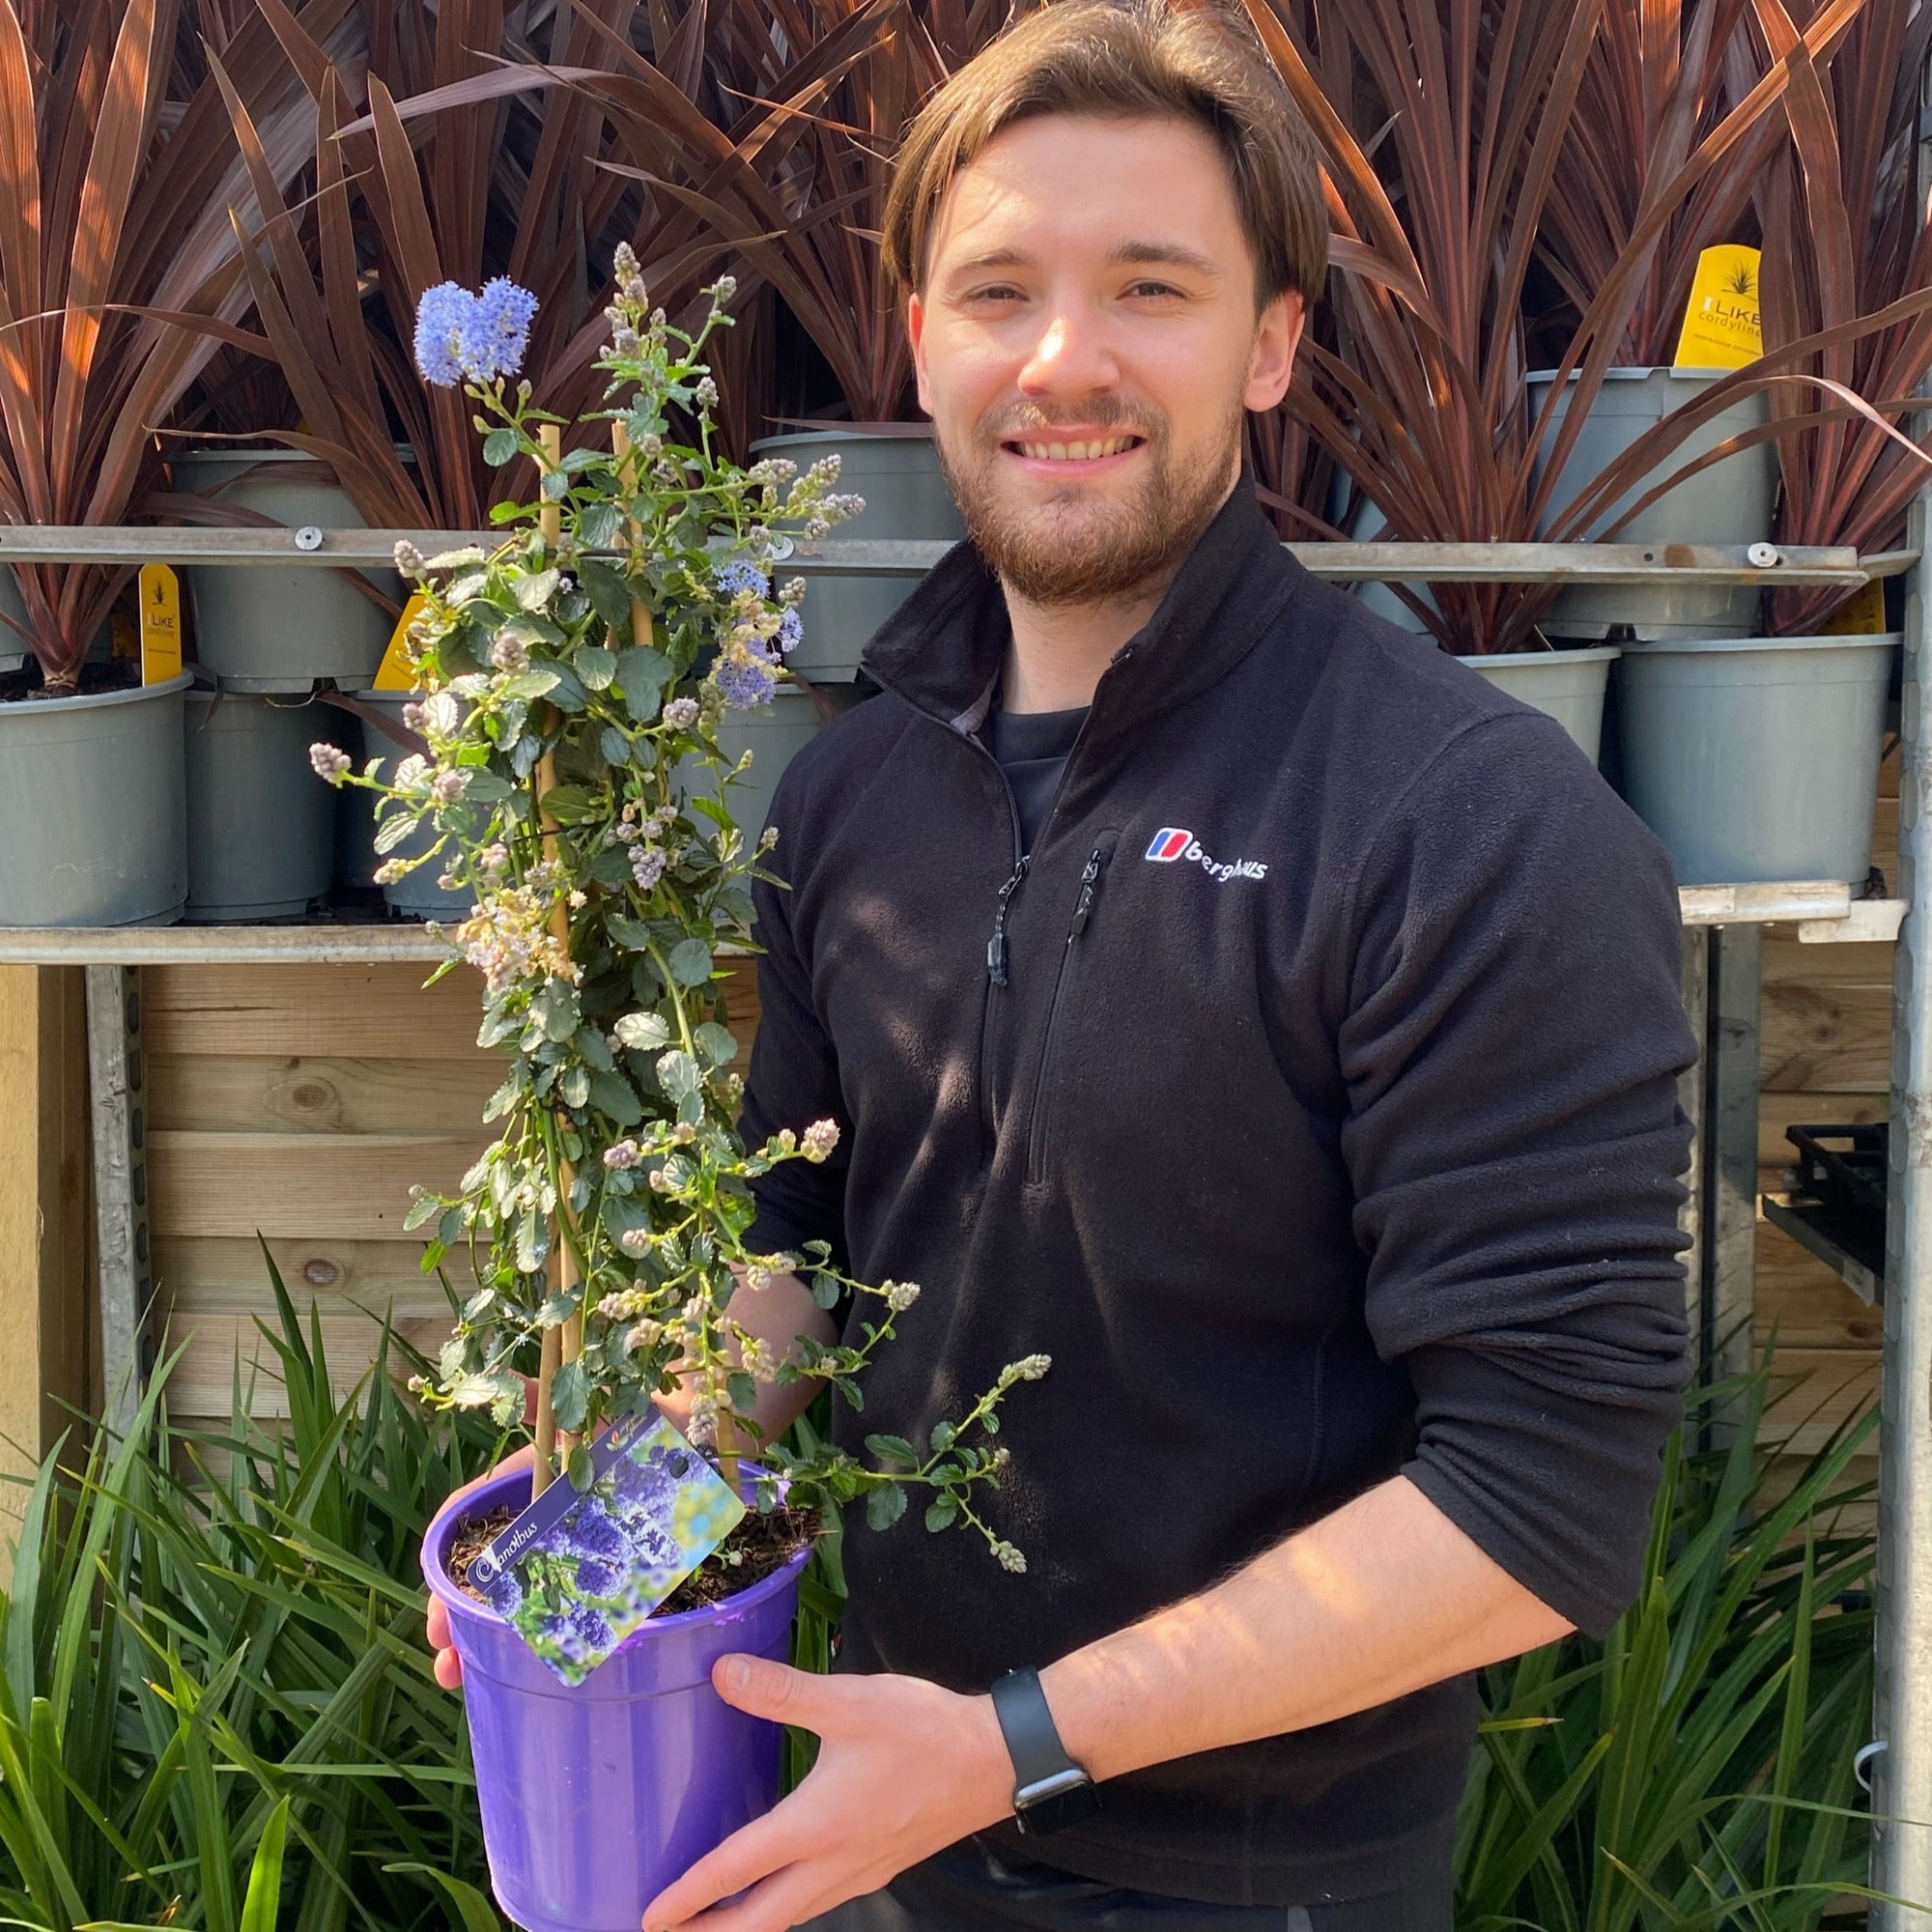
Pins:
<point x="1311" y="1102"/>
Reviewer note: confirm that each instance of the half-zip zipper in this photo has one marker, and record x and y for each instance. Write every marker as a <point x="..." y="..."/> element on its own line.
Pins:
<point x="1036" y="1114"/>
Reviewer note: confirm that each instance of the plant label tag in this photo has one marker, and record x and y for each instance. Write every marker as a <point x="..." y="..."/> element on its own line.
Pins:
<point x="1860" y="614"/>
<point x="579" y="1569"/>
<point x="396" y="672"/>
<point x="161" y="624"/>
<point x="1723" y="328"/>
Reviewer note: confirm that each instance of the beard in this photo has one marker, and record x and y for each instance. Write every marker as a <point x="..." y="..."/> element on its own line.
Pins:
<point x="1080" y="546"/>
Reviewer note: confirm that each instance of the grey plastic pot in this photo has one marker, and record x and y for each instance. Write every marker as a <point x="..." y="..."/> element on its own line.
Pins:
<point x="1756" y="758"/>
<point x="261" y="826"/>
<point x="416" y="895"/>
<point x="906" y="497"/>
<point x="1567" y="686"/>
<point x="356" y="858"/>
<point x="92" y="795"/>
<point x="1728" y="504"/>
<point x="274" y="628"/>
<point x="774" y="734"/>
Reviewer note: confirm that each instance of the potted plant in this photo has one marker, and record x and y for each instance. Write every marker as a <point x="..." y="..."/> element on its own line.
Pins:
<point x="570" y="675"/>
<point x="114" y="229"/>
<point x="1424" y="402"/>
<point x="1757" y="758"/>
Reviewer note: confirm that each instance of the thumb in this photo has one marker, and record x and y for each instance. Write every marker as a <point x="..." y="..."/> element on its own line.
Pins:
<point x="767" y="1690"/>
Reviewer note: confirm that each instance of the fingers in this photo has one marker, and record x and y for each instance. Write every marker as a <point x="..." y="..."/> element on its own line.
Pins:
<point x="436" y="1624"/>
<point x="763" y="1847"/>
<point x="448" y="1669"/>
<point x="776" y="1690"/>
<point x="786" y="1900"/>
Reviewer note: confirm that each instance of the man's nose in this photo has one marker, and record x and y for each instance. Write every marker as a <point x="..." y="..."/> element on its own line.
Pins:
<point x="1071" y="356"/>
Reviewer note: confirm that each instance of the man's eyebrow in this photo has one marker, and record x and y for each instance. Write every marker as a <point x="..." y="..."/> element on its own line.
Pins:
<point x="1136" y="254"/>
<point x="1170" y="254"/>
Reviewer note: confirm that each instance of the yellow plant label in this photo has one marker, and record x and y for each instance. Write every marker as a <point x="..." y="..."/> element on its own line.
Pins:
<point x="1723" y="328"/>
<point x="1861" y="615"/>
<point x="161" y="624"/>
<point x="397" y="674"/>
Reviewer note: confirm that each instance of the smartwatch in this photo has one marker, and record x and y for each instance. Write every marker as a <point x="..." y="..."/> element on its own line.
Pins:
<point x="1050" y="1791"/>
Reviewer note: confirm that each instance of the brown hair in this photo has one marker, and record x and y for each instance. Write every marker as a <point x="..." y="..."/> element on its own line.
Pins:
<point x="1128" y="59"/>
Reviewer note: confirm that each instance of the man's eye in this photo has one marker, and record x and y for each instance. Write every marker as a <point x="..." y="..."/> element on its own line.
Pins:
<point x="999" y="292"/>
<point x="1152" y="289"/>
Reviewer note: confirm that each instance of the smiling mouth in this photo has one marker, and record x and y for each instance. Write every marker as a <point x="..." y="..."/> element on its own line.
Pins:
<point x="1074" y="452"/>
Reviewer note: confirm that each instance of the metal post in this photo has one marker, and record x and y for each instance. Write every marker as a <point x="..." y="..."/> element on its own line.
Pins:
<point x="1901" y="1864"/>
<point x="116" y="1078"/>
<point x="1730" y="1139"/>
<point x="1692" y="1084"/>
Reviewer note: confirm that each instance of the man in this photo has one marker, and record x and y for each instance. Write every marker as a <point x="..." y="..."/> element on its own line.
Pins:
<point x="1238" y="1002"/>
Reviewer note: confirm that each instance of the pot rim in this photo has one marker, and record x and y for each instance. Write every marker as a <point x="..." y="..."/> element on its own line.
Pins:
<point x="460" y="1603"/>
<point x="1592" y="654"/>
<point x="1631" y="372"/>
<point x="265" y="453"/>
<point x="1818" y="641"/>
<point x="95" y="700"/>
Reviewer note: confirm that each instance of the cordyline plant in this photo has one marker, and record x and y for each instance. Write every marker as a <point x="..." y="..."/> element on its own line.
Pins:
<point x="1424" y="401"/>
<point x="572" y="684"/>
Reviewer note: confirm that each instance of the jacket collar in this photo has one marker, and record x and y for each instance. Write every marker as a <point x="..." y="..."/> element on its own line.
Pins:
<point x="943" y="649"/>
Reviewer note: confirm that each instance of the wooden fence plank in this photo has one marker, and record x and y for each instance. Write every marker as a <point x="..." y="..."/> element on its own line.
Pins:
<point x="1831" y="1385"/>
<point x="345" y="1011"/>
<point x="333" y="1187"/>
<point x="1826" y="1038"/>
<point x="200" y="1275"/>
<point x="202" y="1385"/>
<point x="258" y="1092"/>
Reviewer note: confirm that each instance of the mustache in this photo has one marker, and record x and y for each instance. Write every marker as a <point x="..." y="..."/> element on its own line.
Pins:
<point x="1035" y="422"/>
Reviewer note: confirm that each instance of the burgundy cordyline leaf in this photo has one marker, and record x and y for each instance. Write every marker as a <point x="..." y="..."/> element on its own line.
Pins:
<point x="120" y="276"/>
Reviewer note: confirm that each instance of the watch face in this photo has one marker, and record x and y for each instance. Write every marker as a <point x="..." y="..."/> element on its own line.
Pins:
<point x="1054" y="1813"/>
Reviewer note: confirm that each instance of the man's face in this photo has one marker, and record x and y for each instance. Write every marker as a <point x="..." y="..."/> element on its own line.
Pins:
<point x="1085" y="345"/>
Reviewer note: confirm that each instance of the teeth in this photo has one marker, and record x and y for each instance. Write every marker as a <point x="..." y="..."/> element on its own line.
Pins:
<point x="1076" y="452"/>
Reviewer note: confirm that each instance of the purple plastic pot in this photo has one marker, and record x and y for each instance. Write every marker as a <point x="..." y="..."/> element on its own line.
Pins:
<point x="595" y="1799"/>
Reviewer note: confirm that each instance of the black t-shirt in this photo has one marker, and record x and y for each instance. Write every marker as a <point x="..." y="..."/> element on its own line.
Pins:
<point x="1031" y="747"/>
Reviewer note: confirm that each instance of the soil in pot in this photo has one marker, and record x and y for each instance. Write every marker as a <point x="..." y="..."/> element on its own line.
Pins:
<point x="762" y="1544"/>
<point x="897" y="472"/>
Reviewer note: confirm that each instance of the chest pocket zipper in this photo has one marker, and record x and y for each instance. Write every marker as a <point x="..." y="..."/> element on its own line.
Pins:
<point x="1040" y="1114"/>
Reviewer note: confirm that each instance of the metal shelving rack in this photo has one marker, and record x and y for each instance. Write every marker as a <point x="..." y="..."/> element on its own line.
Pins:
<point x="1723" y="933"/>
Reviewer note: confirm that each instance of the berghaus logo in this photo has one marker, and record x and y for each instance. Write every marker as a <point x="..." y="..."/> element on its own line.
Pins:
<point x="1171" y="842"/>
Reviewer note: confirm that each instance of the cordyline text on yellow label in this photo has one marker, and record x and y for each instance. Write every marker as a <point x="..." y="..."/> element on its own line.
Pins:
<point x="161" y="624"/>
<point x="1723" y="328"/>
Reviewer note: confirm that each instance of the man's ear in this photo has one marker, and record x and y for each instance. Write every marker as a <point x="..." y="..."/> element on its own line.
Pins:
<point x="916" y="333"/>
<point x="1271" y="359"/>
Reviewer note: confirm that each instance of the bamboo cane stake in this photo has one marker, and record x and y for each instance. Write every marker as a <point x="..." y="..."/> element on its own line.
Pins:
<point x="641" y="633"/>
<point x="565" y="1341"/>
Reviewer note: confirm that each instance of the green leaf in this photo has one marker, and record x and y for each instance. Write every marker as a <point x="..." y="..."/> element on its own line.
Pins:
<point x="941" y="1514"/>
<point x="643" y="672"/>
<point x="642" y="1032"/>
<point x="471" y="1910"/>
<point x="499" y="446"/>
<point x="593" y="1050"/>
<point x="420" y="1210"/>
<point x="741" y="1389"/>
<point x="572" y="803"/>
<point x="894" y="1451"/>
<point x="573" y="1086"/>
<point x="614" y="1096"/>
<point x="941" y="1437"/>
<point x="716" y="1045"/>
<point x="583" y="1469"/>
<point x="595" y="666"/>
<point x="570" y="1395"/>
<point x="885" y="1506"/>
<point x="677" y="1073"/>
<point x="393" y="830"/>
<point x="609" y="595"/>
<point x="263" y="1904"/>
<point x="691" y="962"/>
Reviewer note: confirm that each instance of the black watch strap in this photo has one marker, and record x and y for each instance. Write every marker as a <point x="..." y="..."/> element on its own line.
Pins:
<point x="1049" y="1789"/>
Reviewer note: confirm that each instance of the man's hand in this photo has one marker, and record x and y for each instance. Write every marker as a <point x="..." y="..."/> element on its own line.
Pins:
<point x="904" y="1769"/>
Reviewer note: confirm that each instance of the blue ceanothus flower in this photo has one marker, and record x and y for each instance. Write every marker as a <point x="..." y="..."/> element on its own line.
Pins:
<point x="475" y="338"/>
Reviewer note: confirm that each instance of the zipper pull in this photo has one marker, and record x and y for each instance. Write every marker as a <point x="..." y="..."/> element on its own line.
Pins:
<point x="996" y="947"/>
<point x="1089" y="879"/>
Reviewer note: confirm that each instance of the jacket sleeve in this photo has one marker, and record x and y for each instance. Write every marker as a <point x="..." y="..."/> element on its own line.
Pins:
<point x="794" y="1074"/>
<point x="1512" y="1038"/>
